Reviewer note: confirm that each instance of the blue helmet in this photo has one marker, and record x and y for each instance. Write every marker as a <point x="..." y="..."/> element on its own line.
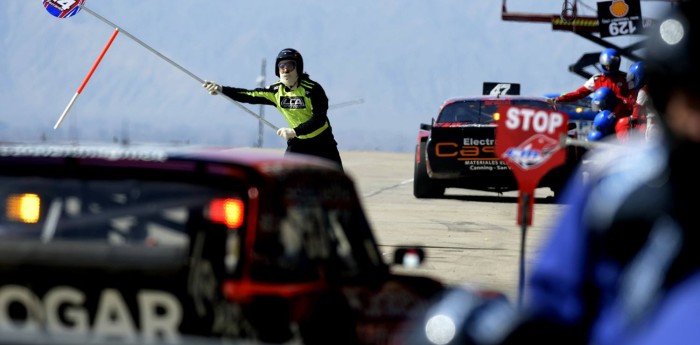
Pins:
<point x="604" y="122"/>
<point x="635" y="75"/>
<point x="609" y="60"/>
<point x="603" y="98"/>
<point x="595" y="135"/>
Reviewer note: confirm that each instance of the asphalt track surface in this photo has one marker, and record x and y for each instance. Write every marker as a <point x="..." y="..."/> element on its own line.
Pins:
<point x="470" y="237"/>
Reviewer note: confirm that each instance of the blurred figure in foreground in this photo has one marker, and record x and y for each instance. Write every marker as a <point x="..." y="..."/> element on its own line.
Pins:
<point x="621" y="266"/>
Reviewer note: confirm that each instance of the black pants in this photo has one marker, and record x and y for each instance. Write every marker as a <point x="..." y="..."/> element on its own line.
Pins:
<point x="322" y="145"/>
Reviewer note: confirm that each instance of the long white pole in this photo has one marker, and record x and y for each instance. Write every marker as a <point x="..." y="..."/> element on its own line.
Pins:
<point x="198" y="79"/>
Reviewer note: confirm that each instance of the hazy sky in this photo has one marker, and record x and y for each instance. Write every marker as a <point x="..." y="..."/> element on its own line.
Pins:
<point x="386" y="65"/>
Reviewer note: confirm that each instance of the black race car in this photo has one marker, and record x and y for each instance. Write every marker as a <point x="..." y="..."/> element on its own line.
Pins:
<point x="458" y="148"/>
<point x="161" y="244"/>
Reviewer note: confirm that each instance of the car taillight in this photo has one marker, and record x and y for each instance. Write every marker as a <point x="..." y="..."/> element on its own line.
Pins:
<point x="23" y="208"/>
<point x="228" y="211"/>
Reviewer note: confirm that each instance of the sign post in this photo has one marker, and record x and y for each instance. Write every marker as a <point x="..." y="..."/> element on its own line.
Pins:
<point x="528" y="140"/>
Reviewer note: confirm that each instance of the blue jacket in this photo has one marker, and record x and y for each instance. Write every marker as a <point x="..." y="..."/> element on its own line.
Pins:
<point x="617" y="268"/>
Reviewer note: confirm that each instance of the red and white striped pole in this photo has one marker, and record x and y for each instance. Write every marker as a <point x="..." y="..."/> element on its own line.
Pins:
<point x="68" y="8"/>
<point x="87" y="78"/>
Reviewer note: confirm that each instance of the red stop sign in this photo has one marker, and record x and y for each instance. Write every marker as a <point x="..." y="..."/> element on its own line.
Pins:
<point x="529" y="141"/>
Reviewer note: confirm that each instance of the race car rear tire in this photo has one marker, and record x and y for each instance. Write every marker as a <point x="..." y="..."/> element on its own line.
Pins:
<point x="423" y="185"/>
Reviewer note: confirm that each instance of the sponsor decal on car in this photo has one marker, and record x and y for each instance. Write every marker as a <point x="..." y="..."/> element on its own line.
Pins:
<point x="492" y="165"/>
<point x="464" y="152"/>
<point x="481" y="142"/>
<point x="478" y="154"/>
<point x="82" y="152"/>
<point x="64" y="310"/>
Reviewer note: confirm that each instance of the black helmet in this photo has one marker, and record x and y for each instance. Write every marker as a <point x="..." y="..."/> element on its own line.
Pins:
<point x="672" y="53"/>
<point x="290" y="54"/>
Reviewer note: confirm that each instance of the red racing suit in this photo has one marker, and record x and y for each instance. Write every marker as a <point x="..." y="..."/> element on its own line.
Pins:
<point x="617" y="81"/>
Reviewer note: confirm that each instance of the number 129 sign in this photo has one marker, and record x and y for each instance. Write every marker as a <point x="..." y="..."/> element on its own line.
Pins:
<point x="619" y="17"/>
<point x="529" y="141"/>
